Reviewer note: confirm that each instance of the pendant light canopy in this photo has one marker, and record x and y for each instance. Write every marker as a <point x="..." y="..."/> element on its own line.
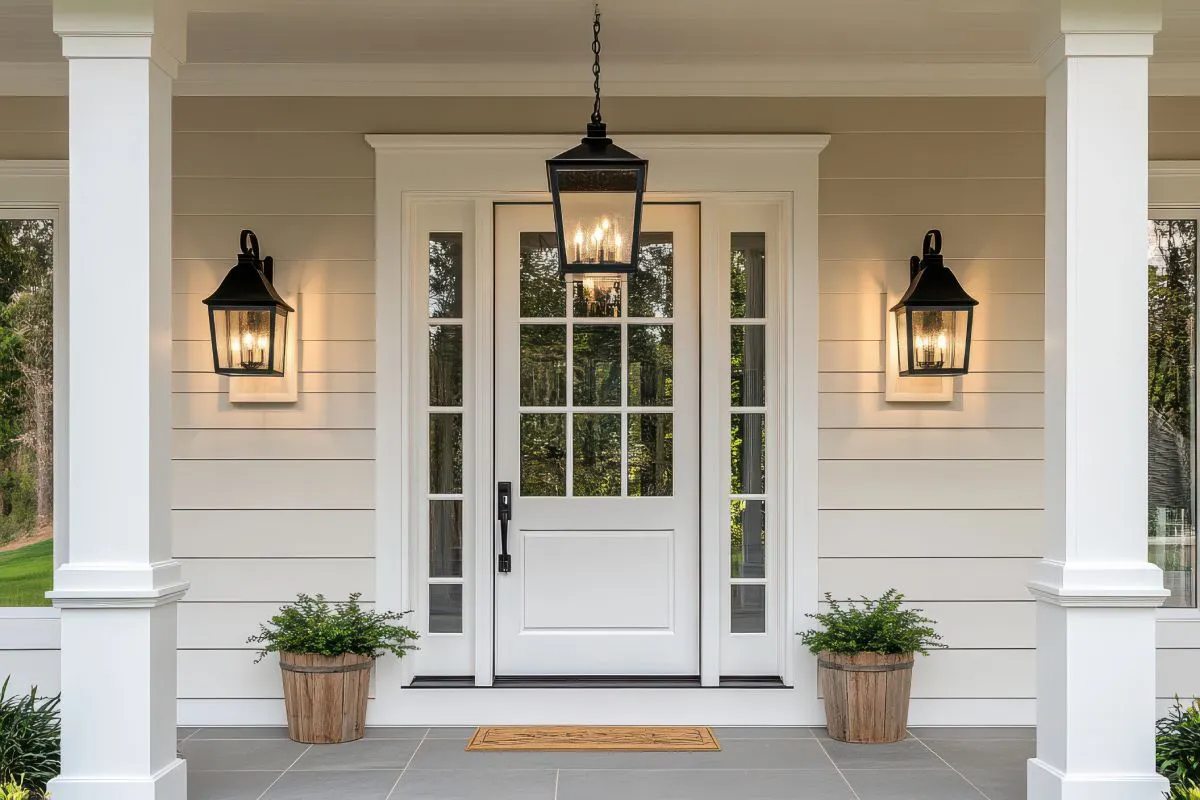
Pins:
<point x="597" y="190"/>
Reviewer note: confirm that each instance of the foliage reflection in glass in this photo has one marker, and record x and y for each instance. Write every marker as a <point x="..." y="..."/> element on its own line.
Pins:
<point x="445" y="365"/>
<point x="597" y="365"/>
<point x="651" y="445"/>
<point x="543" y="365"/>
<point x="651" y="288"/>
<point x="748" y="445"/>
<point x="1171" y="400"/>
<point x="445" y="453"/>
<point x="597" y="455"/>
<point x="543" y="290"/>
<point x="650" y="365"/>
<point x="445" y="275"/>
<point x="543" y="455"/>
<point x="747" y="276"/>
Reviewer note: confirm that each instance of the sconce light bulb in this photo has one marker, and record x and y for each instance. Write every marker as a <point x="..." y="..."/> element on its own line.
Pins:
<point x="604" y="223"/>
<point x="579" y="236"/>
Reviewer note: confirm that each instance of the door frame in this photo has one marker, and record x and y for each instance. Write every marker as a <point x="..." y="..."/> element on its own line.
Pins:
<point x="469" y="173"/>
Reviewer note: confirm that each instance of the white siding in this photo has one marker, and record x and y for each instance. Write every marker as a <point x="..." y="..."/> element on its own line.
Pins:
<point x="942" y="501"/>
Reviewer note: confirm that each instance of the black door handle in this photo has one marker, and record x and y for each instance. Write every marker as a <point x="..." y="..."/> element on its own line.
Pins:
<point x="504" y="514"/>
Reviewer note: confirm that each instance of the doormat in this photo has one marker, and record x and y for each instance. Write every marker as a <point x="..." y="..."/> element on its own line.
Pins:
<point x="605" y="738"/>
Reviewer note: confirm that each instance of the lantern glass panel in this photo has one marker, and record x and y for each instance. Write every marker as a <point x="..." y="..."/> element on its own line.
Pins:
<point x="599" y="208"/>
<point x="244" y="337"/>
<point x="279" y="333"/>
<point x="938" y="344"/>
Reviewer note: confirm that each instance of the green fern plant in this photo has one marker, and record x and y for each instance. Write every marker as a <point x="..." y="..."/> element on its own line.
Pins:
<point x="314" y="625"/>
<point x="1177" y="749"/>
<point x="30" y="748"/>
<point x="881" y="625"/>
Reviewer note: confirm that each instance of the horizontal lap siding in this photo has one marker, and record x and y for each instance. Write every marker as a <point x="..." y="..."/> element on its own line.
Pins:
<point x="271" y="500"/>
<point x="298" y="172"/>
<point x="941" y="501"/>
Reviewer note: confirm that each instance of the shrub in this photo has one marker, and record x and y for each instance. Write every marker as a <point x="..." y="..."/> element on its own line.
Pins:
<point x="313" y="625"/>
<point x="872" y="626"/>
<point x="15" y="790"/>
<point x="29" y="741"/>
<point x="1177" y="749"/>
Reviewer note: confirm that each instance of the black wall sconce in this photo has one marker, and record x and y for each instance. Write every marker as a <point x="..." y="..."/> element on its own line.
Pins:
<point x="934" y="317"/>
<point x="247" y="318"/>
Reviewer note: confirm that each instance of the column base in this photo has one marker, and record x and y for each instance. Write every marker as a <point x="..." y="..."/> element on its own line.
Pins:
<point x="169" y="783"/>
<point x="1048" y="783"/>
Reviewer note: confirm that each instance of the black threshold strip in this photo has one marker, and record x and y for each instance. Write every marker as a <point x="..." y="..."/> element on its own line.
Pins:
<point x="592" y="682"/>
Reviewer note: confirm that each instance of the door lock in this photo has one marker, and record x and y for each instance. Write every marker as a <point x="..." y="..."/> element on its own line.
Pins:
<point x="504" y="514"/>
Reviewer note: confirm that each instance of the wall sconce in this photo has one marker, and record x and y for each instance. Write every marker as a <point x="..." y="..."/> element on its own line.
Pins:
<point x="252" y="340"/>
<point x="929" y="330"/>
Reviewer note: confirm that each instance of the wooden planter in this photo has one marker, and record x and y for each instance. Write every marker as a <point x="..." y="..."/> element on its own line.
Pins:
<point x="326" y="697"/>
<point x="866" y="695"/>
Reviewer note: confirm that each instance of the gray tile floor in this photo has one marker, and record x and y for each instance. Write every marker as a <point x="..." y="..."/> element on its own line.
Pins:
<point x="754" y="764"/>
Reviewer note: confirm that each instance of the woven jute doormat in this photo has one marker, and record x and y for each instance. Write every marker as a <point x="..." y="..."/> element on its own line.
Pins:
<point x="608" y="738"/>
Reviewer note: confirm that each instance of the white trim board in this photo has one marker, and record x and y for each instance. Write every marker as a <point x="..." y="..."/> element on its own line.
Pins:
<point x="423" y="171"/>
<point x="695" y="79"/>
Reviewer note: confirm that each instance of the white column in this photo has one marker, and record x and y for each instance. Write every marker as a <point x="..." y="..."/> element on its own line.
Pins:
<point x="118" y="586"/>
<point x="1096" y="594"/>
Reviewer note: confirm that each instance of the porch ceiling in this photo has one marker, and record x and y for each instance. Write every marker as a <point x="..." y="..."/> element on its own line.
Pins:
<point x="761" y="43"/>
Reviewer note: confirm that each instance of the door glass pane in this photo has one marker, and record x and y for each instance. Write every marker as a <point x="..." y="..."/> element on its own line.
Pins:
<point x="650" y="455"/>
<point x="597" y="459"/>
<point x="445" y="538"/>
<point x="748" y="608"/>
<point x="650" y="365"/>
<point x="543" y="455"/>
<point x="543" y="365"/>
<point x="748" y="365"/>
<point x="445" y="453"/>
<point x="543" y="291"/>
<point x="651" y="288"/>
<point x="1172" y="406"/>
<point x="445" y="608"/>
<point x="747" y="276"/>
<point x="596" y="297"/>
<point x="748" y="443"/>
<point x="445" y="365"/>
<point x="445" y="275"/>
<point x="597" y="365"/>
<point x="748" y="538"/>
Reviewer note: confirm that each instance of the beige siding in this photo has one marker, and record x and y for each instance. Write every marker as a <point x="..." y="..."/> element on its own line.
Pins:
<point x="941" y="501"/>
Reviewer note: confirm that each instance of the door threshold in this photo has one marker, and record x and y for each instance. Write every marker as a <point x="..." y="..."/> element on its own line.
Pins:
<point x="594" y="682"/>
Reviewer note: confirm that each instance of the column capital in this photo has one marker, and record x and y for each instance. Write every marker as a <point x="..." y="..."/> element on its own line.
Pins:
<point x="1082" y="28"/>
<point x="150" y="29"/>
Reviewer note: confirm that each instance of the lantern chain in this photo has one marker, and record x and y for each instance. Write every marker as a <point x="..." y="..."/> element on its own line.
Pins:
<point x="596" y="64"/>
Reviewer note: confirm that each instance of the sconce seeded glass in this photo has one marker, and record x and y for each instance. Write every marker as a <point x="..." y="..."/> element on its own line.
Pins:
<point x="247" y="318"/>
<point x="933" y="319"/>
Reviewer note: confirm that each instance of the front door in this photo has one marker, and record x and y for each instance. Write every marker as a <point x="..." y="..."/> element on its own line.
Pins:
<point x="597" y="429"/>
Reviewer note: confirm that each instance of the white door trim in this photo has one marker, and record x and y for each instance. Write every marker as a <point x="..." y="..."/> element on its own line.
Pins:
<point x="486" y="169"/>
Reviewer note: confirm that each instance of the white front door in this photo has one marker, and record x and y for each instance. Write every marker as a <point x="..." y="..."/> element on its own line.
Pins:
<point x="597" y="429"/>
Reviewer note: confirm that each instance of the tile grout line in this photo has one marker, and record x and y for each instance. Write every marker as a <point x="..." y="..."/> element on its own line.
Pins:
<point x="190" y="735"/>
<point x="285" y="772"/>
<point x="951" y="766"/>
<point x="392" y="791"/>
<point x="841" y="774"/>
<point x="557" y="773"/>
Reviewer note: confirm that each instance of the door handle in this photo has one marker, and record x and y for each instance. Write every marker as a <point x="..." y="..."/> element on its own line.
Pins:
<point x="504" y="514"/>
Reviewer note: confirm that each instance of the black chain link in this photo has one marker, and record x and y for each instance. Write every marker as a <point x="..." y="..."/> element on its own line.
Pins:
<point x="596" y="64"/>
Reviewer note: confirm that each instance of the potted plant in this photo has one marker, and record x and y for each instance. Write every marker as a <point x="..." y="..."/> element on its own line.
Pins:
<point x="865" y="658"/>
<point x="326" y="652"/>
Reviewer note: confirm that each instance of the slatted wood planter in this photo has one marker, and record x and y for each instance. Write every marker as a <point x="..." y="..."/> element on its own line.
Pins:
<point x="866" y="695"/>
<point x="326" y="697"/>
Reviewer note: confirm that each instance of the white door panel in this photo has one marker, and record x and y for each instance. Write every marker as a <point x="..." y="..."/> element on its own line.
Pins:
<point x="597" y="428"/>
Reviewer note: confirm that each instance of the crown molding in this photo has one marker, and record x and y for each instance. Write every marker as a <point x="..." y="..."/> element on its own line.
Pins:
<point x="698" y="79"/>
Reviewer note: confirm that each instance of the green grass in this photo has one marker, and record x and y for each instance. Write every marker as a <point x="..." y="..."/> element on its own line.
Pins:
<point x="26" y="574"/>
